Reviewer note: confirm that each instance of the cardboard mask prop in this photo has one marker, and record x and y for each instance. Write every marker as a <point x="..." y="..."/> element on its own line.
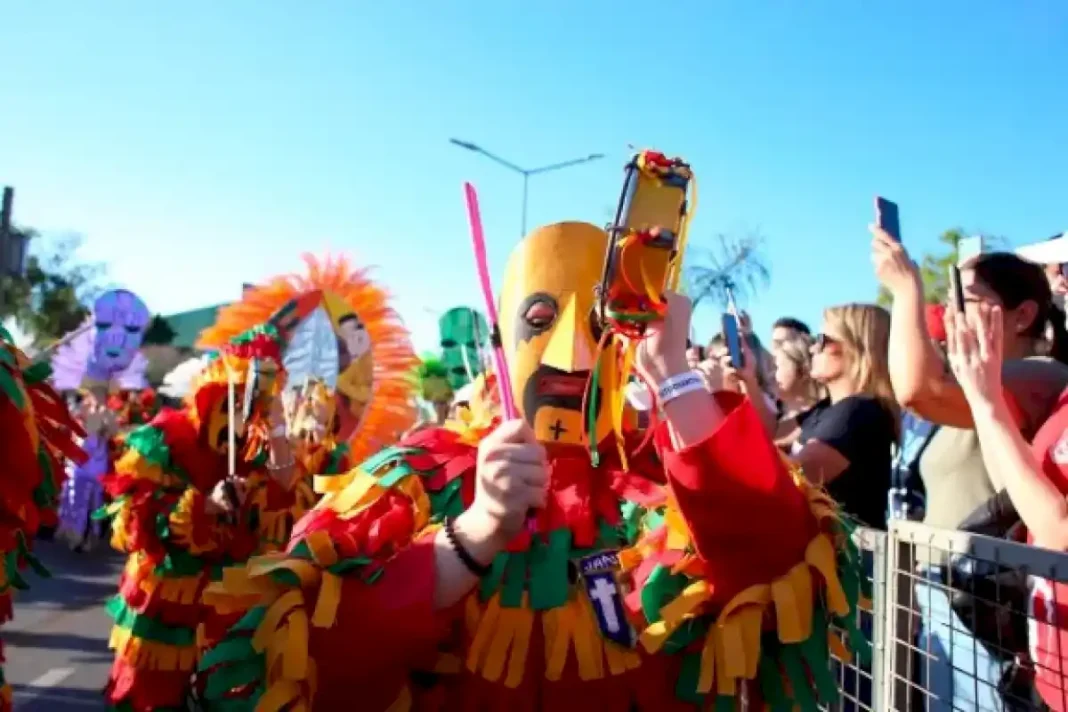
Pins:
<point x="463" y="333"/>
<point x="105" y="351"/>
<point x="549" y="329"/>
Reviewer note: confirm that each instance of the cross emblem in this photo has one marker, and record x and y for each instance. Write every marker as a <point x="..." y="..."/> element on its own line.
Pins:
<point x="558" y="429"/>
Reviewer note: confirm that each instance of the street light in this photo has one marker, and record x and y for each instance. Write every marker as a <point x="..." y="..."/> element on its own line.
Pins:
<point x="525" y="172"/>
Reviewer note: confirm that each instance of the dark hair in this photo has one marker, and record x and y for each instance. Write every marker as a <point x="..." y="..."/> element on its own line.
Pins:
<point x="1016" y="281"/>
<point x="788" y="322"/>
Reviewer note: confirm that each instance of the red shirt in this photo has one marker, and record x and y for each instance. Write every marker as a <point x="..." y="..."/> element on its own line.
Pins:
<point x="1048" y="612"/>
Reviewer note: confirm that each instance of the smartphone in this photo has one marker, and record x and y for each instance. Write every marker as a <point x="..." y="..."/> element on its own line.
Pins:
<point x="734" y="341"/>
<point x="956" y="291"/>
<point x="887" y="218"/>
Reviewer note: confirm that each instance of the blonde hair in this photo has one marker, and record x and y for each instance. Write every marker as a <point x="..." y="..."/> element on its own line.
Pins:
<point x="798" y="350"/>
<point x="864" y="333"/>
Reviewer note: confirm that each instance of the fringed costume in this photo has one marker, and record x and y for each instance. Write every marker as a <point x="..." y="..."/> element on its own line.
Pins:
<point x="37" y="436"/>
<point x="175" y="541"/>
<point x="654" y="579"/>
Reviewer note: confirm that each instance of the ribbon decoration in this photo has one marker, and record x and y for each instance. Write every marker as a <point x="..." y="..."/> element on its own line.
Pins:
<point x="478" y="240"/>
<point x="646" y="245"/>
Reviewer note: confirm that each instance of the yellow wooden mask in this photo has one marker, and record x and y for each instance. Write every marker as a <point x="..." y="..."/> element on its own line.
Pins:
<point x="548" y="327"/>
<point x="217" y="430"/>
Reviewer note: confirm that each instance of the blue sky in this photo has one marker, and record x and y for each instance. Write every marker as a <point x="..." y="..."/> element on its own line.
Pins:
<point x="200" y="144"/>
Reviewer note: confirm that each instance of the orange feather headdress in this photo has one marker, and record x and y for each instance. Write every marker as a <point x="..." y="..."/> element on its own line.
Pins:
<point x="335" y="309"/>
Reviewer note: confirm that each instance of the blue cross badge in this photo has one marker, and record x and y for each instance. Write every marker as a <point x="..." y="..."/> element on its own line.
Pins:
<point x="599" y="575"/>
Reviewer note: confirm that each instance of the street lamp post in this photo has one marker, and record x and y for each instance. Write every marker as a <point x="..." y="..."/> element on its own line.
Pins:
<point x="525" y="172"/>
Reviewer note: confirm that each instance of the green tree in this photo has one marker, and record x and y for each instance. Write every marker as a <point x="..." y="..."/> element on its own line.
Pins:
<point x="159" y="332"/>
<point x="934" y="269"/>
<point x="51" y="299"/>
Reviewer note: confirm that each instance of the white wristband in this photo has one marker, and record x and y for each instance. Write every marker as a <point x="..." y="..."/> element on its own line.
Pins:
<point x="679" y="385"/>
<point x="278" y="431"/>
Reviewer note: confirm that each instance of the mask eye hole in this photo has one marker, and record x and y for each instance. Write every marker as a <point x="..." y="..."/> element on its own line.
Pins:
<point x="540" y="315"/>
<point x="448" y="344"/>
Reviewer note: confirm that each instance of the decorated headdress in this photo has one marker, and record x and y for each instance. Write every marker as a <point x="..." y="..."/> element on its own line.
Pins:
<point x="336" y="326"/>
<point x="105" y="349"/>
<point x="251" y="365"/>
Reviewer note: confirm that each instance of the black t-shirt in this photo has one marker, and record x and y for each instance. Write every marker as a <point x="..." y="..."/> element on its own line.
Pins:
<point x="862" y="431"/>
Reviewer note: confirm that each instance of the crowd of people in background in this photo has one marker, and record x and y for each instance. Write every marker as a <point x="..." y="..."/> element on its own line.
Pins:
<point x="958" y="420"/>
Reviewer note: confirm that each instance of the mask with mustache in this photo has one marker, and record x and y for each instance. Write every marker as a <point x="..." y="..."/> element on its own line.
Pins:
<point x="549" y="330"/>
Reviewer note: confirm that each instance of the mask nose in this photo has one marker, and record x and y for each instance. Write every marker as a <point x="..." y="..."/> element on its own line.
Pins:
<point x="570" y="347"/>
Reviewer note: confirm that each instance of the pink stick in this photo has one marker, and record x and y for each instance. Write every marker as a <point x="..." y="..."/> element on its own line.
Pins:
<point x="479" y="240"/>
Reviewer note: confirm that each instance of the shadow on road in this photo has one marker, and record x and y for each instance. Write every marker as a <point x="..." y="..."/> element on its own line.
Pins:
<point x="56" y="699"/>
<point x="55" y="641"/>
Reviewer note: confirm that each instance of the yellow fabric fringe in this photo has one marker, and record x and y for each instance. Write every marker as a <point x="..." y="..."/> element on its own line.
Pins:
<point x="183" y="529"/>
<point x="731" y="651"/>
<point x="149" y="654"/>
<point x="500" y="641"/>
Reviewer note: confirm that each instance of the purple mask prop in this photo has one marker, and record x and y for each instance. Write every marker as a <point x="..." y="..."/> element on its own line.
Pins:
<point x="120" y="319"/>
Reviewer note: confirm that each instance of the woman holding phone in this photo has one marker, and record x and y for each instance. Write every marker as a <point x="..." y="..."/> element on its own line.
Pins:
<point x="846" y="441"/>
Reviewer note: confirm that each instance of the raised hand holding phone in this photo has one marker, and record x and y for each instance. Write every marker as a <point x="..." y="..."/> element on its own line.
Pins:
<point x="887" y="218"/>
<point x="890" y="259"/>
<point x="956" y="291"/>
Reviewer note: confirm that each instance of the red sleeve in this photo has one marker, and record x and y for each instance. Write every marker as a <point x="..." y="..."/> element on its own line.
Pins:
<point x="383" y="631"/>
<point x="739" y="499"/>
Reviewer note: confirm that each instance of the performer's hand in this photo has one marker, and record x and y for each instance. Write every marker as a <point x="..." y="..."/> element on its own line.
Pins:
<point x="218" y="503"/>
<point x="511" y="479"/>
<point x="662" y="353"/>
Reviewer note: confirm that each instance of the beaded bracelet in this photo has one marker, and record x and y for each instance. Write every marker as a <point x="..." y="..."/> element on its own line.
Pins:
<point x="473" y="566"/>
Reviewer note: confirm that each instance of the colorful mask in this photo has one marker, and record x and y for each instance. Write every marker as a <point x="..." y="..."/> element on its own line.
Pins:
<point x="120" y="319"/>
<point x="327" y="341"/>
<point x="548" y="326"/>
<point x="464" y="334"/>
<point x="337" y="327"/>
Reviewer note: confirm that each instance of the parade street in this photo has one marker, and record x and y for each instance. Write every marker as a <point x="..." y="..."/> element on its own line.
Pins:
<point x="56" y="648"/>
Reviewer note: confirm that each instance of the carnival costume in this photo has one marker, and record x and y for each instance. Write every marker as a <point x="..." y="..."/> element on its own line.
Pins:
<point x="344" y="342"/>
<point x="102" y="360"/>
<point x="160" y="517"/>
<point x="36" y="436"/>
<point x="654" y="578"/>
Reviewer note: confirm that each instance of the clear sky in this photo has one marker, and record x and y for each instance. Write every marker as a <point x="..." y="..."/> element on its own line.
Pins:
<point x="200" y="144"/>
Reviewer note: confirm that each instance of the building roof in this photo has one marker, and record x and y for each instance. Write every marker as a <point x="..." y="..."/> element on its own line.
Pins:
<point x="188" y="325"/>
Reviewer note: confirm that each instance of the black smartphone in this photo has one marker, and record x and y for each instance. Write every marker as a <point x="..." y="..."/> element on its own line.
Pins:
<point x="956" y="291"/>
<point x="887" y="218"/>
<point x="734" y="341"/>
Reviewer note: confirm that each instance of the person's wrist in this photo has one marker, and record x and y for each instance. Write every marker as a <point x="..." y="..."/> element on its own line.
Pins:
<point x="480" y="533"/>
<point x="661" y="369"/>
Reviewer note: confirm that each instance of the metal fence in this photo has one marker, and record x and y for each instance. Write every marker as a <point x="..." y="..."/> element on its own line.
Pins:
<point x="958" y="622"/>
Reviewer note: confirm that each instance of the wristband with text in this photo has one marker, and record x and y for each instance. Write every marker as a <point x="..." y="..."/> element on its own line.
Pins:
<point x="679" y="385"/>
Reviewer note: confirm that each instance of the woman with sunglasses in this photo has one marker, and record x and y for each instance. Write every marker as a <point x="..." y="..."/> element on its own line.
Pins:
<point x="846" y="441"/>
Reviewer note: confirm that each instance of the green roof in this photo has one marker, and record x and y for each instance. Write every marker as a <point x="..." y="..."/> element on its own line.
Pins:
<point x="188" y="325"/>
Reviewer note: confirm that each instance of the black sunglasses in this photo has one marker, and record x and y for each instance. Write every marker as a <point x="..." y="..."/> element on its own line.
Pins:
<point x="823" y="341"/>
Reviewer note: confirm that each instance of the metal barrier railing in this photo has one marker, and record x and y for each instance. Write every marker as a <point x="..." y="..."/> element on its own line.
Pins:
<point x="960" y="631"/>
<point x="862" y="685"/>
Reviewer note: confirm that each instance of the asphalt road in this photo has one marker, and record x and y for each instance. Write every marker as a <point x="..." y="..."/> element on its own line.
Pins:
<point x="56" y="648"/>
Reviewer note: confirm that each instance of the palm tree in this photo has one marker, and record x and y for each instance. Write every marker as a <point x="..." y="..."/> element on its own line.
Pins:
<point x="735" y="267"/>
